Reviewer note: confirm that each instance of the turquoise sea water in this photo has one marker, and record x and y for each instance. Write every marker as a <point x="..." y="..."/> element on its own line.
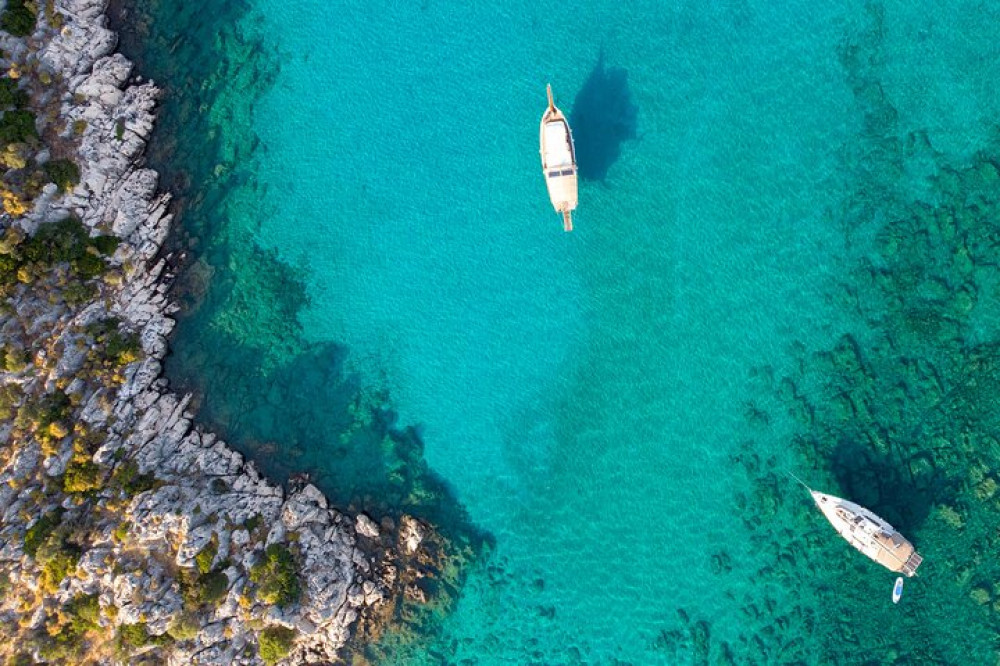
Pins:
<point x="783" y="260"/>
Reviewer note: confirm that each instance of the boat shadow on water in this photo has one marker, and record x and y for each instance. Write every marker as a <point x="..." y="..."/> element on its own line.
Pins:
<point x="603" y="117"/>
<point x="903" y="494"/>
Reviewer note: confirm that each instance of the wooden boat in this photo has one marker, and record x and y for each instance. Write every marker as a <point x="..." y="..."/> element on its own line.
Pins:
<point x="558" y="161"/>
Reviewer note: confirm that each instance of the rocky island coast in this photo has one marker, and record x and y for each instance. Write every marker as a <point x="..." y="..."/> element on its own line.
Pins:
<point x="128" y="534"/>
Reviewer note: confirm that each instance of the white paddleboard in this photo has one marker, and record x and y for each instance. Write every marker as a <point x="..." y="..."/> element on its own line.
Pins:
<point x="897" y="590"/>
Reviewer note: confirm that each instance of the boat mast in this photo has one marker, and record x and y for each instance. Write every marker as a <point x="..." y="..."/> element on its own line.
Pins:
<point x="548" y="91"/>
<point x="800" y="481"/>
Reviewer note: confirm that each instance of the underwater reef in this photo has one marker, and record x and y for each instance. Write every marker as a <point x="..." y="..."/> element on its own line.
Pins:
<point x="899" y="415"/>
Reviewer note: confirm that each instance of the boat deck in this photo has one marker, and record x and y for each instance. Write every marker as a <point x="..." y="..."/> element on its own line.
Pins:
<point x="558" y="149"/>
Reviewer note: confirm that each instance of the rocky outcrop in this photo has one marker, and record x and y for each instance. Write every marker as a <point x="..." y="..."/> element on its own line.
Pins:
<point x="200" y="507"/>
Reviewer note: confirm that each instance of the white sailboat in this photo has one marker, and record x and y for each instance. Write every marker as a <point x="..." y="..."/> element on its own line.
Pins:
<point x="868" y="533"/>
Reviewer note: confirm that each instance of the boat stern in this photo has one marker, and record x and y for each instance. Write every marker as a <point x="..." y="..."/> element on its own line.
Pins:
<point x="911" y="564"/>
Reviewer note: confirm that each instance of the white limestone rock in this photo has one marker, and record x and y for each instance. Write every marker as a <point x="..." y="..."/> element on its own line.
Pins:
<point x="365" y="526"/>
<point x="411" y="534"/>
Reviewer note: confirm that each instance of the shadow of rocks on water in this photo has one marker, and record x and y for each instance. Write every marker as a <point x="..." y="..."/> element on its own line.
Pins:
<point x="603" y="117"/>
<point x="309" y="414"/>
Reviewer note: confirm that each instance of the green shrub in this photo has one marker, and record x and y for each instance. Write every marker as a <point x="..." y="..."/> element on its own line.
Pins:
<point x="119" y="347"/>
<point x="134" y="635"/>
<point x="54" y="407"/>
<point x="22" y="659"/>
<point x="78" y="293"/>
<point x="199" y="590"/>
<point x="276" y="577"/>
<point x="122" y="531"/>
<point x="184" y="627"/>
<point x="40" y="532"/>
<point x="212" y="588"/>
<point x="40" y="414"/>
<point x="82" y="476"/>
<point x="126" y="478"/>
<point x="123" y="348"/>
<point x="58" y="559"/>
<point x="64" y="645"/>
<point x="65" y="240"/>
<point x="18" y="18"/>
<point x="17" y="127"/>
<point x="13" y="358"/>
<point x="83" y="612"/>
<point x="63" y="173"/>
<point x="90" y="265"/>
<point x="106" y="245"/>
<point x="10" y="396"/>
<point x="275" y="644"/>
<point x="56" y="242"/>
<point x="207" y="555"/>
<point x="10" y="95"/>
<point x="8" y="269"/>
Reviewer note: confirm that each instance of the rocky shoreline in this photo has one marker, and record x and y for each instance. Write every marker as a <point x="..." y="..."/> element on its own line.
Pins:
<point x="180" y="549"/>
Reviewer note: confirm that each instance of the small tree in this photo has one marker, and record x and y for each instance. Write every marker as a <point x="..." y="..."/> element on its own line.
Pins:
<point x="63" y="173"/>
<point x="10" y="396"/>
<point x="212" y="588"/>
<point x="58" y="559"/>
<point x="275" y="644"/>
<point x="17" y="127"/>
<point x="82" y="475"/>
<point x="39" y="533"/>
<point x="18" y="18"/>
<point x="184" y="627"/>
<point x="10" y="95"/>
<point x="276" y="577"/>
<point x="129" y="481"/>
<point x="83" y="612"/>
<point x="132" y="637"/>
<point x="207" y="555"/>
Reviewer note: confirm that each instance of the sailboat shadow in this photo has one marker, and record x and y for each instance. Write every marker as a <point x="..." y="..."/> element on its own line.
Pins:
<point x="904" y="494"/>
<point x="603" y="117"/>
